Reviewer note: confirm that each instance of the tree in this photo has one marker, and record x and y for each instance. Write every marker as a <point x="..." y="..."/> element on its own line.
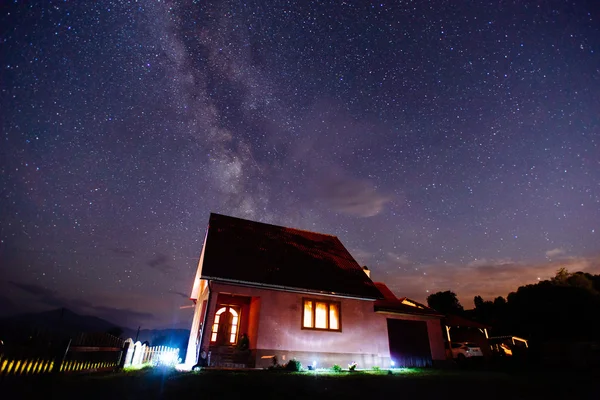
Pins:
<point x="499" y="302"/>
<point x="561" y="276"/>
<point x="478" y="300"/>
<point x="445" y="302"/>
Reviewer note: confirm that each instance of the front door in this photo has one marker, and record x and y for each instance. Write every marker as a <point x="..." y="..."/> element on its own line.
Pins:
<point x="225" y="328"/>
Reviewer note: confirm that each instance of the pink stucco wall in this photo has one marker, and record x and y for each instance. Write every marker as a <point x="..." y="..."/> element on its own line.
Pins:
<point x="279" y="324"/>
<point x="274" y="317"/>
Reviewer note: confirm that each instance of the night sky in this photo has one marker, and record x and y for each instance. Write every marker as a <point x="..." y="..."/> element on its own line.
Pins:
<point x="448" y="144"/>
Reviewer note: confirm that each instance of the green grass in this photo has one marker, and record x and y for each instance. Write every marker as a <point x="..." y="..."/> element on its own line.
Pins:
<point x="422" y="384"/>
<point x="137" y="367"/>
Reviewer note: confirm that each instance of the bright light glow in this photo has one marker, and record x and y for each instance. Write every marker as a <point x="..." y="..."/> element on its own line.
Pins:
<point x="169" y="357"/>
<point x="392" y="363"/>
<point x="321" y="315"/>
<point x="333" y="317"/>
<point x="314" y="364"/>
<point x="308" y="312"/>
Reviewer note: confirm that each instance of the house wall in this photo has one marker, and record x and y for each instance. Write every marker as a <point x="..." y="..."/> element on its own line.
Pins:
<point x="275" y="329"/>
<point x="199" y="311"/>
<point x="253" y="319"/>
<point x="434" y="330"/>
<point x="273" y="324"/>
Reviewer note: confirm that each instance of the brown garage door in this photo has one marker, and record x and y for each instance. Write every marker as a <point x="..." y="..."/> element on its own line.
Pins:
<point x="409" y="343"/>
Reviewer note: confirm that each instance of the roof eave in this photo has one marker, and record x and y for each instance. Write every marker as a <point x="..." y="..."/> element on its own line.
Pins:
<point x="385" y="310"/>
<point x="289" y="289"/>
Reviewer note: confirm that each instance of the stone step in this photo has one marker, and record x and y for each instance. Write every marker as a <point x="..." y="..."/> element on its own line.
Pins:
<point x="228" y="365"/>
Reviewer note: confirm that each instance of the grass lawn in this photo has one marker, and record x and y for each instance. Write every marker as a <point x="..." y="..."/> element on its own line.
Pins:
<point x="407" y="384"/>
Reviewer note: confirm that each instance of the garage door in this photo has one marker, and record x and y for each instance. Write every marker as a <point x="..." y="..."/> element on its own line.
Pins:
<point x="409" y="343"/>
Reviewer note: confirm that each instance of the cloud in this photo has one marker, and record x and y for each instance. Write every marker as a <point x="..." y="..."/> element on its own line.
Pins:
<point x="34" y="289"/>
<point x="185" y="296"/>
<point x="160" y="263"/>
<point x="486" y="278"/>
<point x="121" y="315"/>
<point x="354" y="197"/>
<point x="555" y="252"/>
<point x="401" y="259"/>
<point x="480" y="262"/>
<point x="44" y="295"/>
<point x="122" y="252"/>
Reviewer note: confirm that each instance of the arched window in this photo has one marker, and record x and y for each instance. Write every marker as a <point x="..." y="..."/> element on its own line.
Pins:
<point x="225" y="327"/>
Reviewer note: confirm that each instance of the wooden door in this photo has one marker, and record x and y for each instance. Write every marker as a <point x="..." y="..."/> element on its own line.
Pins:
<point x="226" y="325"/>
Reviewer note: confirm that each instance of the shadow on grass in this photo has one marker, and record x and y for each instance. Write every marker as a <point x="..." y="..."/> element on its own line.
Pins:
<point x="156" y="383"/>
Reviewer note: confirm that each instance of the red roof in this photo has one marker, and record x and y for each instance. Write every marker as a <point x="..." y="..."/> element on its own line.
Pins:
<point x="393" y="304"/>
<point x="255" y="253"/>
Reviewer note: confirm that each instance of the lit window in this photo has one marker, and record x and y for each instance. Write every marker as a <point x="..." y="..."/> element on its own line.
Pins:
<point x="334" y="312"/>
<point x="318" y="314"/>
<point x="308" y="312"/>
<point x="321" y="316"/>
<point x="232" y="328"/>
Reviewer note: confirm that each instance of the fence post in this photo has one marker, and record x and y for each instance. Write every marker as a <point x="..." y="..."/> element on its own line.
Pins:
<point x="60" y="357"/>
<point x="123" y="355"/>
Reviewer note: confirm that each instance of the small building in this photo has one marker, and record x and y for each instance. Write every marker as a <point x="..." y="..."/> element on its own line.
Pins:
<point x="460" y="329"/>
<point x="265" y="293"/>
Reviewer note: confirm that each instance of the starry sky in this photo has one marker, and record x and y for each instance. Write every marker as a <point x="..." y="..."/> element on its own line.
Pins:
<point x="450" y="145"/>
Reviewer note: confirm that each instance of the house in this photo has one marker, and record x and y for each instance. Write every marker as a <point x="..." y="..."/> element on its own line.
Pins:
<point x="266" y="293"/>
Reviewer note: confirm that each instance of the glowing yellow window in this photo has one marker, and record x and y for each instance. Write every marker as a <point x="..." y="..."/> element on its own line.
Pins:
<point x="334" y="320"/>
<point x="322" y="315"/>
<point x="308" y="314"/>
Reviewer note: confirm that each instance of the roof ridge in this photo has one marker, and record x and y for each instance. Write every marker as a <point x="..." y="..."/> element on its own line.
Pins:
<point x="277" y="226"/>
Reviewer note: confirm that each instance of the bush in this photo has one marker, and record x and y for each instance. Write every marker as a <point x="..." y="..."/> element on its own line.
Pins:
<point x="293" y="366"/>
<point x="376" y="368"/>
<point x="336" y="368"/>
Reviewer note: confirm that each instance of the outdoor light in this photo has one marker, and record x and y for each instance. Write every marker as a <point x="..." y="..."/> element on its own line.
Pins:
<point x="392" y="363"/>
<point x="314" y="364"/>
<point x="169" y="357"/>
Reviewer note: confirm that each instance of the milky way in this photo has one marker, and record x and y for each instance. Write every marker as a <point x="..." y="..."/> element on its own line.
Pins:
<point x="449" y="145"/>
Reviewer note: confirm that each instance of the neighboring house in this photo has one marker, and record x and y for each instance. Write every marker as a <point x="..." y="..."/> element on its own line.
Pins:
<point x="286" y="293"/>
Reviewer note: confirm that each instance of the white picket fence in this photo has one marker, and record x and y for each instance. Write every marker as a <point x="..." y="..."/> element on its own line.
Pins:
<point x="139" y="354"/>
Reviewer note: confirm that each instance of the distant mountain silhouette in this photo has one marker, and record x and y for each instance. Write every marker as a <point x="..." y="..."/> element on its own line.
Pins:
<point x="62" y="320"/>
<point x="68" y="322"/>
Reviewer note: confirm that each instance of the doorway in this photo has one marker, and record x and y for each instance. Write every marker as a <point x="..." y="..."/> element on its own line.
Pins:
<point x="225" y="328"/>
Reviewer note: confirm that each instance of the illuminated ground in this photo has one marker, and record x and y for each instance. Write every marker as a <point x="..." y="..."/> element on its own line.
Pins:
<point x="410" y="384"/>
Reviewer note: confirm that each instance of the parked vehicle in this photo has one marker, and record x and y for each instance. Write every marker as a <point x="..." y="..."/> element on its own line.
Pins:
<point x="464" y="350"/>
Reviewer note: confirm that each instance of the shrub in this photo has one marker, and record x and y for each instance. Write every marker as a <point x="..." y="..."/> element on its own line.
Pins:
<point x="376" y="368"/>
<point x="293" y="365"/>
<point x="336" y="368"/>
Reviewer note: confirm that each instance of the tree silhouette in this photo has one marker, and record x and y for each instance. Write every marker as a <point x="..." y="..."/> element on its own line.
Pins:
<point x="445" y="302"/>
<point x="562" y="308"/>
